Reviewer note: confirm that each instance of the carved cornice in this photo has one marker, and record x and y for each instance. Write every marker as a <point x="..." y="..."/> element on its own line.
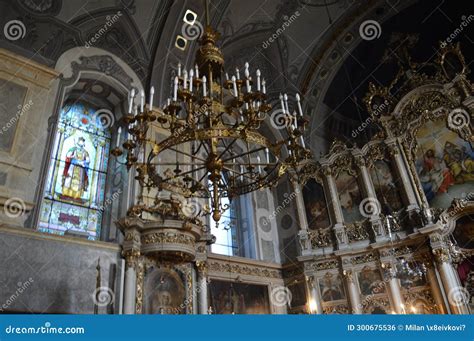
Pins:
<point x="241" y="269"/>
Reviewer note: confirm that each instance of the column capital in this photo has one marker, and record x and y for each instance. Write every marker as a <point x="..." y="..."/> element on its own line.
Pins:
<point x="202" y="267"/>
<point x="360" y="161"/>
<point x="442" y="255"/>
<point x="348" y="275"/>
<point x="132" y="257"/>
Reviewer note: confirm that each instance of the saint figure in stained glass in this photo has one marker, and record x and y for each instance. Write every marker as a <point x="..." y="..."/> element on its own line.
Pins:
<point x="75" y="178"/>
<point x="75" y="187"/>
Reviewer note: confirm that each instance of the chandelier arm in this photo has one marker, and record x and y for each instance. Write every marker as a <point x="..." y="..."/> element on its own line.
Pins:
<point x="173" y="149"/>
<point x="182" y="174"/>
<point x="244" y="154"/>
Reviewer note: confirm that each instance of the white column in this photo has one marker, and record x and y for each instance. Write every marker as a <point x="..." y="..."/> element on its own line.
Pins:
<point x="395" y="293"/>
<point x="353" y="292"/>
<point x="202" y="288"/>
<point x="374" y="206"/>
<point x="314" y="297"/>
<point x="455" y="293"/>
<point x="404" y="176"/>
<point x="335" y="208"/>
<point x="331" y="189"/>
<point x="300" y="208"/>
<point x="432" y="279"/>
<point x="130" y="285"/>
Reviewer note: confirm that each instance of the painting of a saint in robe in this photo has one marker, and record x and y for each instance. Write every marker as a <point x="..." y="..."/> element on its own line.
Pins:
<point x="164" y="292"/>
<point x="75" y="178"/>
<point x="239" y="298"/>
<point x="370" y="282"/>
<point x="350" y="197"/>
<point x="386" y="187"/>
<point x="445" y="164"/>
<point x="315" y="203"/>
<point x="331" y="288"/>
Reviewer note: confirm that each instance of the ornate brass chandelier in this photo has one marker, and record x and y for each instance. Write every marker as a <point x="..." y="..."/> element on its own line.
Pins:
<point x="214" y="124"/>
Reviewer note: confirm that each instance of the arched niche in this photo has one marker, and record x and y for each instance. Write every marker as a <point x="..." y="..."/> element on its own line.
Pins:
<point x="102" y="81"/>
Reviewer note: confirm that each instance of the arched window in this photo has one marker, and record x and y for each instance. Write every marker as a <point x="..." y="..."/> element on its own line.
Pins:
<point x="73" y="199"/>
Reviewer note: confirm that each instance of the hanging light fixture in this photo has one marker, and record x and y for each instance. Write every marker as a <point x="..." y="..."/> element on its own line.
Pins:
<point x="214" y="124"/>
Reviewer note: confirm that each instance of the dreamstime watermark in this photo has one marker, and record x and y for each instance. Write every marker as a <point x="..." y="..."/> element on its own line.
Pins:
<point x="377" y="110"/>
<point x="459" y="296"/>
<point x="370" y="30"/>
<point x="103" y="296"/>
<point x="191" y="208"/>
<point x="280" y="119"/>
<point x="21" y="287"/>
<point x="14" y="207"/>
<point x="110" y="21"/>
<point x="286" y="202"/>
<point x="192" y="30"/>
<point x="110" y="200"/>
<point x="14" y="30"/>
<point x="22" y="109"/>
<point x="377" y="289"/>
<point x="104" y="118"/>
<point x="369" y="207"/>
<point x="464" y="23"/>
<point x="288" y="21"/>
<point x="280" y="296"/>
<point x="458" y="119"/>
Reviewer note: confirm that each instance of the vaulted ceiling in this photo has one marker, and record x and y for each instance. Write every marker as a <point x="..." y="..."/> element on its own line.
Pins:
<point x="318" y="50"/>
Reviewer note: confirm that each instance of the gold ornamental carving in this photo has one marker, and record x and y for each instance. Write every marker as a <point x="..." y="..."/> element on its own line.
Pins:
<point x="167" y="237"/>
<point x="244" y="270"/>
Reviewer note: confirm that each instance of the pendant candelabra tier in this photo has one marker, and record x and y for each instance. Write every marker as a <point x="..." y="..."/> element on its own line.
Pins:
<point x="214" y="146"/>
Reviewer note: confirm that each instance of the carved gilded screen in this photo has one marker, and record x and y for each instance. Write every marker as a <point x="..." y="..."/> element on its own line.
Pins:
<point x="444" y="163"/>
<point x="316" y="206"/>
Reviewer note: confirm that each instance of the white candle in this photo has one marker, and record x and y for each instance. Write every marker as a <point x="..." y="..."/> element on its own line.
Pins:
<point x="119" y="131"/>
<point x="267" y="153"/>
<point x="237" y="73"/>
<point x="234" y="83"/>
<point x="258" y="80"/>
<point x="302" y="141"/>
<point x="191" y="75"/>
<point x="152" y="92"/>
<point x="247" y="77"/>
<point x="204" y="88"/>
<point x="175" y="90"/>
<point x="258" y="162"/>
<point x="285" y="99"/>
<point x="179" y="69"/>
<point x="185" y="84"/>
<point x="168" y="101"/>
<point x="295" y="119"/>
<point x="135" y="110"/>
<point x="226" y="76"/>
<point x="197" y="71"/>
<point x="298" y="101"/>
<point x="281" y="103"/>
<point x="130" y="103"/>
<point x="264" y="88"/>
<point x="142" y="100"/>
<point x="241" y="173"/>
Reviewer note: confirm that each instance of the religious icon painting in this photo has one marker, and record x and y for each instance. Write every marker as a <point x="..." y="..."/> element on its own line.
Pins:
<point x="75" y="186"/>
<point x="444" y="163"/>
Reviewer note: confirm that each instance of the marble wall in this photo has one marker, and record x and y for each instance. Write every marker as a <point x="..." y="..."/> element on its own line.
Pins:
<point x="42" y="273"/>
<point x="27" y="100"/>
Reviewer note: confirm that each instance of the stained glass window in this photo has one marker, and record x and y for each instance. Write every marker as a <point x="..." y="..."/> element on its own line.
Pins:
<point x="74" y="194"/>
